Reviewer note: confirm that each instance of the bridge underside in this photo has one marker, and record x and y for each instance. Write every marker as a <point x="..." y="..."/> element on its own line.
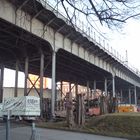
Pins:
<point x="17" y="44"/>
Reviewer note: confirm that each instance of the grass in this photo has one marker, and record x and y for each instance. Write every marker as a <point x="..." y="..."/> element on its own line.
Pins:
<point x="125" y="125"/>
<point x="118" y="124"/>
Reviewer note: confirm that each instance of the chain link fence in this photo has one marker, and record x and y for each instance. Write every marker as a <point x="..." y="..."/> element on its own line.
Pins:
<point x="17" y="130"/>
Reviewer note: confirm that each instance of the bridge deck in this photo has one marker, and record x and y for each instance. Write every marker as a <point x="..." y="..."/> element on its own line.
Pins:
<point x="17" y="43"/>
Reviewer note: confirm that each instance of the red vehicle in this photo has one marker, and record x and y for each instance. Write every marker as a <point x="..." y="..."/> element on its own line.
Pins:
<point x="92" y="107"/>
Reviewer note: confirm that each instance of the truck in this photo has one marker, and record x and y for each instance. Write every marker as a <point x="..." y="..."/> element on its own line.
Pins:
<point x="21" y="107"/>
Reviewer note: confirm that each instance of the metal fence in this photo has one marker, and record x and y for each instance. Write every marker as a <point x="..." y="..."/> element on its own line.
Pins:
<point x="16" y="130"/>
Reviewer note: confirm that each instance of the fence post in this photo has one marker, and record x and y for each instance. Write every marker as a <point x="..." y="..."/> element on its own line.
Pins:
<point x="33" y="136"/>
<point x="8" y="125"/>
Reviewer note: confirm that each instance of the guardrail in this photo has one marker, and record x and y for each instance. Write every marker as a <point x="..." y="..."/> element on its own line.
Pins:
<point x="91" y="33"/>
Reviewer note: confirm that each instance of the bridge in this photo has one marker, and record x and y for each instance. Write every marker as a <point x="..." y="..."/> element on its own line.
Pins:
<point x="35" y="38"/>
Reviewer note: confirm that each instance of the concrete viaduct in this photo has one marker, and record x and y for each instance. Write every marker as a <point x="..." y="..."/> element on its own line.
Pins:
<point x="35" y="38"/>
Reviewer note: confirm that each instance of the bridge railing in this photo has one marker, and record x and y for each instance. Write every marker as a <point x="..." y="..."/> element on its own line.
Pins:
<point x="88" y="31"/>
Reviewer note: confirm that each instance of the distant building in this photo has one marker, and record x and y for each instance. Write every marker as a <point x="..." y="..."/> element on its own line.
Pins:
<point x="33" y="78"/>
<point x="9" y="92"/>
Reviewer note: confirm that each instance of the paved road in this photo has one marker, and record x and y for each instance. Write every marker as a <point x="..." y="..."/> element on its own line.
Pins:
<point x="24" y="133"/>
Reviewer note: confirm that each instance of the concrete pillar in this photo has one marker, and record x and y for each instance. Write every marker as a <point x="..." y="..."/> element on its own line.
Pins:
<point x="113" y="85"/>
<point x="121" y="96"/>
<point x="53" y="84"/>
<point x="76" y="89"/>
<point x="129" y="95"/>
<point x="69" y="86"/>
<point x="56" y="96"/>
<point x="88" y="93"/>
<point x="135" y="95"/>
<point x="61" y="88"/>
<point x="41" y="82"/>
<point x="88" y="90"/>
<point x="94" y="86"/>
<point x="26" y="75"/>
<point x="1" y="82"/>
<point x="16" y="79"/>
<point x="105" y="86"/>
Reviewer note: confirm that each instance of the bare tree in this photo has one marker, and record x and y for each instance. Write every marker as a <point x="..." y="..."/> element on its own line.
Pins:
<point x="110" y="12"/>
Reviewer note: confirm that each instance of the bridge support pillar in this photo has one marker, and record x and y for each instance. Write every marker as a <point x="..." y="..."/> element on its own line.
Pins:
<point x="113" y="85"/>
<point x="53" y="84"/>
<point x="76" y="89"/>
<point x="16" y="79"/>
<point x="129" y="91"/>
<point x="121" y="96"/>
<point x="1" y="82"/>
<point x="94" y="86"/>
<point x="105" y="86"/>
<point x="41" y="82"/>
<point x="88" y="92"/>
<point x="61" y="89"/>
<point x="69" y="86"/>
<point x="135" y="95"/>
<point x="26" y="75"/>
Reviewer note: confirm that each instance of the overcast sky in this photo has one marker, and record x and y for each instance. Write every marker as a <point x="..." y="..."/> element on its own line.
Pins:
<point x="129" y="39"/>
<point x="126" y="39"/>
